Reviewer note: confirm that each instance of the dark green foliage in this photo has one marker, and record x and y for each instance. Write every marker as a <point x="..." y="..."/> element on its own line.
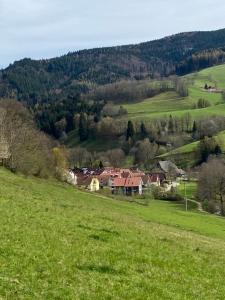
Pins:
<point x="101" y="165"/>
<point x="194" y="128"/>
<point x="207" y="147"/>
<point x="83" y="127"/>
<point x="130" y="130"/>
<point x="218" y="150"/>
<point x="171" y="125"/>
<point x="202" y="103"/>
<point x="143" y="130"/>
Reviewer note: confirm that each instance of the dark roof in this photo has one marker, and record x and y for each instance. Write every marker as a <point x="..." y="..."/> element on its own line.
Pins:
<point x="145" y="179"/>
<point x="169" y="167"/>
<point x="84" y="180"/>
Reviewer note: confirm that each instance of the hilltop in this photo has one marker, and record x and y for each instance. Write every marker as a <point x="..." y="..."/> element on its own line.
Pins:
<point x="81" y="99"/>
<point x="58" y="242"/>
<point x="35" y="81"/>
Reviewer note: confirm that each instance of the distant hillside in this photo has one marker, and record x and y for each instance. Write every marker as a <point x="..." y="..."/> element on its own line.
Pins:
<point x="67" y="76"/>
<point x="170" y="103"/>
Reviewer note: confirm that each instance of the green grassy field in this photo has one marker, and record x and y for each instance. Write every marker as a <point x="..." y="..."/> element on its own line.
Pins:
<point x="170" y="103"/>
<point x="192" y="147"/>
<point x="60" y="243"/>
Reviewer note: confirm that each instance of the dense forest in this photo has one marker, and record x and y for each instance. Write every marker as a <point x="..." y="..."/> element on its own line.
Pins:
<point x="56" y="89"/>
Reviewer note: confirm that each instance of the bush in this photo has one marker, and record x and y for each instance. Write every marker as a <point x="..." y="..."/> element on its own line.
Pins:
<point x="159" y="193"/>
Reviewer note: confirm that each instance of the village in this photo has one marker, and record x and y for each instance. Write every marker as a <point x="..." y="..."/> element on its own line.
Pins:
<point x="127" y="181"/>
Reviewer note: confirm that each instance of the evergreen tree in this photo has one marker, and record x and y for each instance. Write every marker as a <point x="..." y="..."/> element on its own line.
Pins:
<point x="130" y="130"/>
<point x="218" y="150"/>
<point x="70" y="123"/>
<point x="171" y="125"/>
<point x="83" y="127"/>
<point x="143" y="130"/>
<point x="194" y="128"/>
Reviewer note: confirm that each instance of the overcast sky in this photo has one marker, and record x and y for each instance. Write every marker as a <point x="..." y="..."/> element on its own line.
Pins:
<point x="49" y="28"/>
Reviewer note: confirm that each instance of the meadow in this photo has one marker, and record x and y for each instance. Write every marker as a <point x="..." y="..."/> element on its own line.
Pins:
<point x="169" y="103"/>
<point x="61" y="243"/>
<point x="193" y="147"/>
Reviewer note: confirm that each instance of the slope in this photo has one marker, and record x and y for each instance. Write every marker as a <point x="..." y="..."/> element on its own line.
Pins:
<point x="60" y="243"/>
<point x="170" y="103"/>
<point x="186" y="155"/>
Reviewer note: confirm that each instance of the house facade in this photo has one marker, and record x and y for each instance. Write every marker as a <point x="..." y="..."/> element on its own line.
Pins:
<point x="89" y="183"/>
<point x="127" y="186"/>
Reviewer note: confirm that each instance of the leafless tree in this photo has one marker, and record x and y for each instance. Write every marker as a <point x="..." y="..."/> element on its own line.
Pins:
<point x="30" y="151"/>
<point x="211" y="185"/>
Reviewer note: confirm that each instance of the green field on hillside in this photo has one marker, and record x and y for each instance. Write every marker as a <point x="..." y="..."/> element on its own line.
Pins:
<point x="60" y="243"/>
<point x="192" y="147"/>
<point x="170" y="103"/>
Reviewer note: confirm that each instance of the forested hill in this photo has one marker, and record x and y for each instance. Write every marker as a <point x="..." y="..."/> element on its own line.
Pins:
<point x="41" y="80"/>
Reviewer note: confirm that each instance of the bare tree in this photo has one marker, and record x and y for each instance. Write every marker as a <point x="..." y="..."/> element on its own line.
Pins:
<point x="30" y="151"/>
<point x="145" y="152"/>
<point x="115" y="157"/>
<point x="211" y="185"/>
<point x="79" y="157"/>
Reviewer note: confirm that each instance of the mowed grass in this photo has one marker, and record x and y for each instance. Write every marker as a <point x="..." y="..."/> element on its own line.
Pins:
<point x="170" y="103"/>
<point x="60" y="243"/>
<point x="188" y="188"/>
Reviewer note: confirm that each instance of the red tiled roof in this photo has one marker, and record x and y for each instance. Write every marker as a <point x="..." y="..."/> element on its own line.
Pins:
<point x="125" y="174"/>
<point x="119" y="182"/>
<point x="127" y="182"/>
<point x="133" y="182"/>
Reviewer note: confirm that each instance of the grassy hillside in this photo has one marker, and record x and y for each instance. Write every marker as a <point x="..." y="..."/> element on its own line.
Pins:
<point x="186" y="152"/>
<point x="170" y="103"/>
<point x="59" y="243"/>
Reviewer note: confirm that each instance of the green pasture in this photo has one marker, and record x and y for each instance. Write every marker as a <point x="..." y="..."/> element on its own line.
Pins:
<point x="61" y="243"/>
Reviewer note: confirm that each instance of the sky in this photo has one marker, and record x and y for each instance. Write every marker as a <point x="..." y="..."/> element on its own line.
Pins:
<point x="48" y="28"/>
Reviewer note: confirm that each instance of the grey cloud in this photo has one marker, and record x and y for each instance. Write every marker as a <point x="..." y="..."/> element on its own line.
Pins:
<point x="46" y="28"/>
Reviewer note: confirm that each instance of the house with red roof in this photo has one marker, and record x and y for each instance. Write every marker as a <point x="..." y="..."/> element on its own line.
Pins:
<point x="127" y="186"/>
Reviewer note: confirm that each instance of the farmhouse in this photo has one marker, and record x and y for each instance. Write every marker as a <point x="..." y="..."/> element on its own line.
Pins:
<point x="167" y="169"/>
<point x="127" y="186"/>
<point x="90" y="183"/>
<point x="125" y="181"/>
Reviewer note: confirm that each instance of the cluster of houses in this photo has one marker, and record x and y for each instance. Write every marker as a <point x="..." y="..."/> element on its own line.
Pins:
<point x="128" y="182"/>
